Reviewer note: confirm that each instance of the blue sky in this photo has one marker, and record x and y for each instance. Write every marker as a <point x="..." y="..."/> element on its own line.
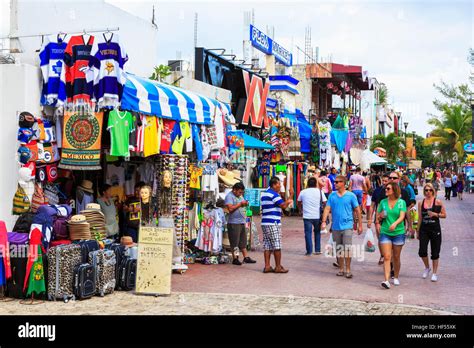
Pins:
<point x="408" y="45"/>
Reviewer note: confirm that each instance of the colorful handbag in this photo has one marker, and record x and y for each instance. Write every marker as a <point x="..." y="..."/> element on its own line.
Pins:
<point x="189" y="259"/>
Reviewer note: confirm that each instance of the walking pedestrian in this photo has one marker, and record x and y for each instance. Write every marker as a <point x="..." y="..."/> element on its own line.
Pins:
<point x="236" y="204"/>
<point x="311" y="201"/>
<point x="378" y="195"/>
<point x="460" y="185"/>
<point x="448" y="184"/>
<point x="429" y="230"/>
<point x="332" y="177"/>
<point x="391" y="216"/>
<point x="342" y="205"/>
<point x="357" y="185"/>
<point x="272" y="204"/>
<point x="455" y="183"/>
<point x="324" y="183"/>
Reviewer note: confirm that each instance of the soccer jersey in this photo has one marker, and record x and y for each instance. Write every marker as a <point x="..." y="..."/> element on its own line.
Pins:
<point x="120" y="126"/>
<point x="106" y="70"/>
<point x="51" y="62"/>
<point x="166" y="137"/>
<point x="74" y="86"/>
<point x="151" y="144"/>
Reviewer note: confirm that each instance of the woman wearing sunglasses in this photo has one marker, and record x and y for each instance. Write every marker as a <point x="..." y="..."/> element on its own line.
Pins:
<point x="429" y="230"/>
<point x="391" y="215"/>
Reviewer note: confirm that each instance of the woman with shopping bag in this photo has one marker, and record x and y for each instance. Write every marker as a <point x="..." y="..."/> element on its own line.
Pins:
<point x="391" y="215"/>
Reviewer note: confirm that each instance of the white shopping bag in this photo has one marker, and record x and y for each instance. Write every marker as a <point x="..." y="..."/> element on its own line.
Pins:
<point x="369" y="241"/>
<point x="325" y="231"/>
<point x="329" y="248"/>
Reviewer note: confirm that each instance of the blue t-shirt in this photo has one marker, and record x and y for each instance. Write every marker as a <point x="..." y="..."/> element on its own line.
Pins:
<point x="271" y="211"/>
<point x="341" y="209"/>
<point x="238" y="216"/>
<point x="411" y="192"/>
<point x="332" y="177"/>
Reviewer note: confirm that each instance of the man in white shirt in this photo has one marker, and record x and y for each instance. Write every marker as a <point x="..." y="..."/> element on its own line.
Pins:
<point x="310" y="200"/>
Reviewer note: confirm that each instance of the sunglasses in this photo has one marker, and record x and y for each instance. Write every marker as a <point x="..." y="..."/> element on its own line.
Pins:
<point x="388" y="189"/>
<point x="338" y="181"/>
<point x="393" y="178"/>
<point x="429" y="190"/>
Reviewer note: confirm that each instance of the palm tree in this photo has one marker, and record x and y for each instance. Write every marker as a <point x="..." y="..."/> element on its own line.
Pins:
<point x="393" y="145"/>
<point x="383" y="95"/>
<point x="451" y="131"/>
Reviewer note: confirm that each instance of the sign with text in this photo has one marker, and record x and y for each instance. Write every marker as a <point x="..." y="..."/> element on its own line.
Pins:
<point x="264" y="43"/>
<point x="255" y="112"/>
<point x="155" y="252"/>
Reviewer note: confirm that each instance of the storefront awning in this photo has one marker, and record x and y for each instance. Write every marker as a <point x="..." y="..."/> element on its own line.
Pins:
<point x="254" y="143"/>
<point x="158" y="99"/>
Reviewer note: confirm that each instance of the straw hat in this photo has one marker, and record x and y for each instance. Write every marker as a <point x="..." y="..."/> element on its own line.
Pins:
<point x="127" y="241"/>
<point x="93" y="206"/>
<point x="78" y="219"/>
<point x="227" y="177"/>
<point x="86" y="186"/>
<point x="236" y="174"/>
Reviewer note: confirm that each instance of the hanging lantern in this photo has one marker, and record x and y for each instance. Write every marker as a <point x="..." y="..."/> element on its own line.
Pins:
<point x="330" y="85"/>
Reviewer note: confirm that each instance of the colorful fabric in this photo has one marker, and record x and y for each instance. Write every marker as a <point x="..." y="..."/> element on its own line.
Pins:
<point x="106" y="70"/>
<point x="51" y="61"/>
<point x="120" y="125"/>
<point x="34" y="279"/>
<point x="82" y="141"/>
<point x="5" y="255"/>
<point x="166" y="134"/>
<point x="21" y="202"/>
<point x="74" y="86"/>
<point x="235" y="140"/>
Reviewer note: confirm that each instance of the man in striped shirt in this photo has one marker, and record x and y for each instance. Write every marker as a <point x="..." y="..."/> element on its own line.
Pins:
<point x="272" y="204"/>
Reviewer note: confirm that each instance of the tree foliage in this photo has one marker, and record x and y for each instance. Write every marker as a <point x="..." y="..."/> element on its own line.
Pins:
<point x="393" y="145"/>
<point x="160" y="73"/>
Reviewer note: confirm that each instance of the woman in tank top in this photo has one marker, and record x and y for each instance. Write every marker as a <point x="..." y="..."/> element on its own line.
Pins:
<point x="429" y="229"/>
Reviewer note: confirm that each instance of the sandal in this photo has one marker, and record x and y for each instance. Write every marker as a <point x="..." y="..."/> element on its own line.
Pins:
<point x="268" y="270"/>
<point x="381" y="261"/>
<point x="340" y="274"/>
<point x="349" y="275"/>
<point x="281" y="270"/>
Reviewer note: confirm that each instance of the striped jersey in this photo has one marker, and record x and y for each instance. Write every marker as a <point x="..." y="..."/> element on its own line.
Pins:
<point x="76" y="63"/>
<point x="271" y="211"/>
<point x="51" y="61"/>
<point x="106" y="71"/>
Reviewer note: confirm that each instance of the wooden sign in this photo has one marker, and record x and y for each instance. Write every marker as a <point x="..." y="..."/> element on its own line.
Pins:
<point x="155" y="252"/>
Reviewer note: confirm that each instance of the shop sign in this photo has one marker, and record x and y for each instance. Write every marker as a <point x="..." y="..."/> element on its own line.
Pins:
<point x="155" y="252"/>
<point x="260" y="40"/>
<point x="264" y="43"/>
<point x="282" y="55"/>
<point x="272" y="103"/>
<point x="255" y="112"/>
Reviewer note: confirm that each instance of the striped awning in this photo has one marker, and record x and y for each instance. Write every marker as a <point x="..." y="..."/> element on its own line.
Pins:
<point x="158" y="99"/>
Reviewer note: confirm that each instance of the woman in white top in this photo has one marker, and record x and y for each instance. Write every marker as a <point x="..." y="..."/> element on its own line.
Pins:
<point x="108" y="208"/>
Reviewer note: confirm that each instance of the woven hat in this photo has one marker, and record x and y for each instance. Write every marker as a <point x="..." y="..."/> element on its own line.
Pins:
<point x="227" y="177"/>
<point x="77" y="219"/>
<point x="78" y="231"/>
<point x="93" y="206"/>
<point x="236" y="174"/>
<point x="86" y="186"/>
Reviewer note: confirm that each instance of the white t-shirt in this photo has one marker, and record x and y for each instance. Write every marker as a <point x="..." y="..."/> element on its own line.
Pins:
<point x="311" y="198"/>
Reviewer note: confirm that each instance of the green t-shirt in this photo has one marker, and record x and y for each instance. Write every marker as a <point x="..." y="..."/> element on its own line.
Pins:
<point x="392" y="216"/>
<point x="120" y="126"/>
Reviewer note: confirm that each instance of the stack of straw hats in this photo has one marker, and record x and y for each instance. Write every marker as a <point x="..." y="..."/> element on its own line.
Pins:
<point x="96" y="220"/>
<point x="79" y="228"/>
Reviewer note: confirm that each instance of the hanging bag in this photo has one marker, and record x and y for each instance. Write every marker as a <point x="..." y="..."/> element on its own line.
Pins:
<point x="38" y="199"/>
<point x="21" y="202"/>
<point x="369" y="241"/>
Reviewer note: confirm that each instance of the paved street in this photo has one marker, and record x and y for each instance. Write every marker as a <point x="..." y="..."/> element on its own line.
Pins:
<point x="315" y="276"/>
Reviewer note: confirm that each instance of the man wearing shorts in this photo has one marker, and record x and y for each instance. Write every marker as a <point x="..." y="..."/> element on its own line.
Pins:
<point x="235" y="203"/>
<point x="341" y="205"/>
<point x="272" y="204"/>
<point x="357" y="185"/>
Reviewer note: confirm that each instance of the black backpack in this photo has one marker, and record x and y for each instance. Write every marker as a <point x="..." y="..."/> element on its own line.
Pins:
<point x="24" y="222"/>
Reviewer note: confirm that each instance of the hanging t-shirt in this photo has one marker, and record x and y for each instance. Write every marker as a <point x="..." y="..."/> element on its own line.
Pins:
<point x="151" y="143"/>
<point x="179" y="141"/>
<point x="120" y="126"/>
<point x="115" y="175"/>
<point x="74" y="86"/>
<point x="195" y="177"/>
<point x="106" y="70"/>
<point x="168" y="126"/>
<point x="51" y="61"/>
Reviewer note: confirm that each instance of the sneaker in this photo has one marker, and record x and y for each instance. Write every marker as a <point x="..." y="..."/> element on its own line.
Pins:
<point x="434" y="277"/>
<point x="237" y="262"/>
<point x="426" y="272"/>
<point x="386" y="285"/>
<point x="396" y="281"/>
<point x="317" y="253"/>
<point x="307" y="254"/>
<point x="249" y="260"/>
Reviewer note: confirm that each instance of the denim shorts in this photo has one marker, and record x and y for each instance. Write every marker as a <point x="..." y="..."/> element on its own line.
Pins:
<point x="395" y="240"/>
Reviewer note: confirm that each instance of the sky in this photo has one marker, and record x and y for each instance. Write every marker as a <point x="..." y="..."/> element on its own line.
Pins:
<point x="408" y="45"/>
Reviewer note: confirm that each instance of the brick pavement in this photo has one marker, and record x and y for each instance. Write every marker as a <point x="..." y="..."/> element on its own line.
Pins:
<point x="315" y="276"/>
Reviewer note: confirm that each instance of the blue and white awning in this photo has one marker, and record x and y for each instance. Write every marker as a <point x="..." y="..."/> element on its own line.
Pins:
<point x="158" y="99"/>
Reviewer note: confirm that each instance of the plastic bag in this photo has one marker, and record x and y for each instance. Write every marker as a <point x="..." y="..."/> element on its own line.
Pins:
<point x="325" y="231"/>
<point x="369" y="241"/>
<point x="329" y="248"/>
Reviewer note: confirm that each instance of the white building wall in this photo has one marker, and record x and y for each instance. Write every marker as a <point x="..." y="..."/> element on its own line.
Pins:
<point x="368" y="112"/>
<point x="19" y="91"/>
<point x="304" y="88"/>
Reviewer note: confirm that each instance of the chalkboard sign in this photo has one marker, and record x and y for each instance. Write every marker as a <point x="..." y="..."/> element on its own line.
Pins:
<point x="155" y="251"/>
